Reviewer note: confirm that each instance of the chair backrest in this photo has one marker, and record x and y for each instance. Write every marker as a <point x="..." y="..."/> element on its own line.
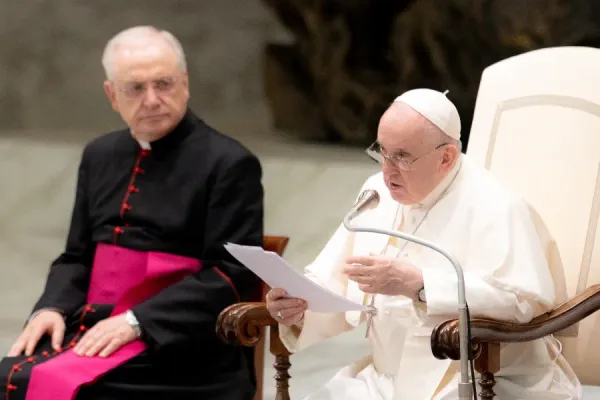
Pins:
<point x="276" y="244"/>
<point x="537" y="127"/>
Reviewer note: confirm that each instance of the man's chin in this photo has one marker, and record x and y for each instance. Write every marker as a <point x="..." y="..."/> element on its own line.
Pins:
<point x="399" y="194"/>
<point x="150" y="132"/>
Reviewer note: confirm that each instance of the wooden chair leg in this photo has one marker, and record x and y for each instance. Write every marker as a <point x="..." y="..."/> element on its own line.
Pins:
<point x="487" y="364"/>
<point x="259" y="365"/>
<point x="282" y="377"/>
<point x="282" y="365"/>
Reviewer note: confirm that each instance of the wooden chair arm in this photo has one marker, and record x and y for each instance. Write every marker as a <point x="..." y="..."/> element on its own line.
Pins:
<point x="487" y="335"/>
<point x="445" y="338"/>
<point x="242" y="323"/>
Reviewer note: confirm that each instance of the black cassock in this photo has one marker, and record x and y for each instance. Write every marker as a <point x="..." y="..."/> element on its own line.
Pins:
<point x="193" y="192"/>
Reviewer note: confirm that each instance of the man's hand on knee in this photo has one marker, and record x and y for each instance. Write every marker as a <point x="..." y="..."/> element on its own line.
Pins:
<point x="46" y="322"/>
<point x="106" y="337"/>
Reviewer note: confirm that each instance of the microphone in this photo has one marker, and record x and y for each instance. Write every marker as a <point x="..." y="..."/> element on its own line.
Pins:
<point x="371" y="198"/>
<point x="368" y="198"/>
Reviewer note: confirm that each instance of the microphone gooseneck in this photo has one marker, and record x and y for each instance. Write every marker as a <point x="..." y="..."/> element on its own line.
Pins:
<point x="370" y="198"/>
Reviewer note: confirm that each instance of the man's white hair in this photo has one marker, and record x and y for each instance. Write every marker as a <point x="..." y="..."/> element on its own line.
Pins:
<point x="133" y="36"/>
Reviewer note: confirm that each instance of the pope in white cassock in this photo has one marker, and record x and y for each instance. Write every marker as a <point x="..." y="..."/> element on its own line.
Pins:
<point x="430" y="189"/>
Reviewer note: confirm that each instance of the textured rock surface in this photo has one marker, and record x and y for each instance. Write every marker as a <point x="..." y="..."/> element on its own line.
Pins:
<point x="351" y="58"/>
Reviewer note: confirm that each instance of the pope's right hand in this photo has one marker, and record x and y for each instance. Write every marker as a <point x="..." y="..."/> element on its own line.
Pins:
<point x="284" y="309"/>
<point x="46" y="322"/>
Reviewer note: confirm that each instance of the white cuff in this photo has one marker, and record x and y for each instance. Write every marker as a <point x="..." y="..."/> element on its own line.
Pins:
<point x="316" y="327"/>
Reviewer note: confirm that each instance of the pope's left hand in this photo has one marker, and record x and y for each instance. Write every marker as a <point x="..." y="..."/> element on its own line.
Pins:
<point x="106" y="337"/>
<point x="384" y="275"/>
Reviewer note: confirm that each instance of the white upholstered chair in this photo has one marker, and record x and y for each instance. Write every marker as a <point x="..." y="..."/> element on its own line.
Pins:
<point x="536" y="126"/>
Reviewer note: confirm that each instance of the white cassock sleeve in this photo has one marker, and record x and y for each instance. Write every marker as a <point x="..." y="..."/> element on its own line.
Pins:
<point x="326" y="271"/>
<point x="507" y="276"/>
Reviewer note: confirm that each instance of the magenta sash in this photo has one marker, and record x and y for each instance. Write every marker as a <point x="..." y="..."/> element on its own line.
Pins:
<point x="119" y="276"/>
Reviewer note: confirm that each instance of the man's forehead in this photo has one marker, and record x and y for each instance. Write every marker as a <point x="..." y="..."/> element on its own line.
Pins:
<point x="402" y="137"/>
<point x="397" y="148"/>
<point x="144" y="62"/>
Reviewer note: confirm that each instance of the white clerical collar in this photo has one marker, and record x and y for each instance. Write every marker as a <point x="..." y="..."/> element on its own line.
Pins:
<point x="436" y="193"/>
<point x="144" y="144"/>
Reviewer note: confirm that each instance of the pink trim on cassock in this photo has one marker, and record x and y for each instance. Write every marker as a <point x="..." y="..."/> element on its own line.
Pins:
<point x="122" y="276"/>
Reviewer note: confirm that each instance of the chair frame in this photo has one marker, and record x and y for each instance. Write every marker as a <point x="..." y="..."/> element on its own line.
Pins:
<point x="245" y="324"/>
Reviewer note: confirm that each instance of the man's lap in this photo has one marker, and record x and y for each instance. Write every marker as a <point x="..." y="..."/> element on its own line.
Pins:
<point x="367" y="384"/>
<point x="144" y="374"/>
<point x="137" y="377"/>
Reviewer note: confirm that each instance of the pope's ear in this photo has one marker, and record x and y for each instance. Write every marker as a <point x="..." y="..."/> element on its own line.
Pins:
<point x="451" y="153"/>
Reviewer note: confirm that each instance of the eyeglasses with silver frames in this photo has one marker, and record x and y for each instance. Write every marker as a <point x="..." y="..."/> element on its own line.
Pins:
<point x="136" y="89"/>
<point x="402" y="161"/>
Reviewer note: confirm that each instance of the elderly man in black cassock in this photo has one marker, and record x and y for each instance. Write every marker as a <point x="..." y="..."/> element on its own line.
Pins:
<point x="130" y="306"/>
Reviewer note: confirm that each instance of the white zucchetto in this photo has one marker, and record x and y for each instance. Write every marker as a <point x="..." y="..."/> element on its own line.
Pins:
<point x="435" y="107"/>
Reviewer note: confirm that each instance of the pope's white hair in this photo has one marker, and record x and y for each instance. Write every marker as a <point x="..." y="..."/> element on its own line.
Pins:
<point x="135" y="35"/>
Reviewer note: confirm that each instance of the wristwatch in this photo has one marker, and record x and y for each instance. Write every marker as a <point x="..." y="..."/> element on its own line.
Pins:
<point x="421" y="295"/>
<point x="133" y="322"/>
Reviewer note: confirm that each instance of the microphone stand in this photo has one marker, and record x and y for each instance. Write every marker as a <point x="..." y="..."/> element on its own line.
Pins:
<point x="465" y="390"/>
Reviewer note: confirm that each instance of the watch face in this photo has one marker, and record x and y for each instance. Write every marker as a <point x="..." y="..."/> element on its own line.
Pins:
<point x="131" y="320"/>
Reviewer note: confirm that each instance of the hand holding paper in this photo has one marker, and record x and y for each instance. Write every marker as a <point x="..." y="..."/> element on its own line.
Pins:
<point x="286" y="310"/>
<point x="277" y="273"/>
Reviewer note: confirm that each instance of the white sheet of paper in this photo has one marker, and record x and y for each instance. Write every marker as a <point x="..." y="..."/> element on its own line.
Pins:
<point x="277" y="273"/>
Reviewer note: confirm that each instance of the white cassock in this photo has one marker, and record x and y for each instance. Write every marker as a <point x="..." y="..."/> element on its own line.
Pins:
<point x="507" y="275"/>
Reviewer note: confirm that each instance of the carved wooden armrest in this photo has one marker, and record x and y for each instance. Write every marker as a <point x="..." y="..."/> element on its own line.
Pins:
<point x="241" y="323"/>
<point x="487" y="335"/>
<point x="445" y="343"/>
